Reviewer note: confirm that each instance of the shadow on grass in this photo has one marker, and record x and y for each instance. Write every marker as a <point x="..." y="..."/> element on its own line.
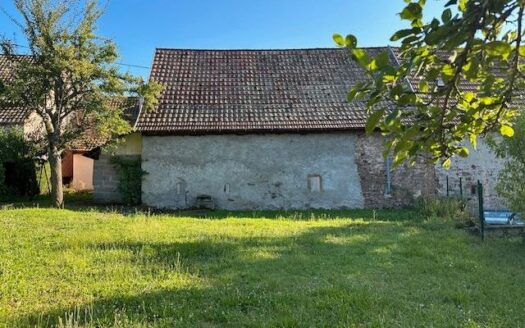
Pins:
<point x="310" y="279"/>
<point x="326" y="276"/>
<point x="72" y="200"/>
<point x="248" y="277"/>
<point x="83" y="201"/>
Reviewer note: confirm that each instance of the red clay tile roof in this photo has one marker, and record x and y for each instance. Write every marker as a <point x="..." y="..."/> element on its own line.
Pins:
<point x="89" y="139"/>
<point x="465" y="86"/>
<point x="17" y="116"/>
<point x="11" y="116"/>
<point x="241" y="91"/>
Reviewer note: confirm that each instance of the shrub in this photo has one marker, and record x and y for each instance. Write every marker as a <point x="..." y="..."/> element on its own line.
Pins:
<point x="130" y="178"/>
<point x="17" y="168"/>
<point x="511" y="179"/>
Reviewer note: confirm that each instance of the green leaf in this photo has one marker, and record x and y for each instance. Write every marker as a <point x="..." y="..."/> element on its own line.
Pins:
<point x="352" y="94"/>
<point x="446" y="16"/>
<point x="351" y="41"/>
<point x="448" y="70"/>
<point x="469" y="96"/>
<point x="499" y="48"/>
<point x="361" y="57"/>
<point x="402" y="34"/>
<point x="339" y="40"/>
<point x="380" y="61"/>
<point x="507" y="131"/>
<point x="463" y="5"/>
<point x="447" y="163"/>
<point x="474" y="141"/>
<point x="373" y="119"/>
<point x="463" y="152"/>
<point x="412" y="12"/>
<point x="423" y="86"/>
<point x="522" y="51"/>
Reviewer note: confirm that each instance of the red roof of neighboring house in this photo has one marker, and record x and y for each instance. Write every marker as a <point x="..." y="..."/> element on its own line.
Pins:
<point x="90" y="139"/>
<point x="15" y="115"/>
<point x="238" y="91"/>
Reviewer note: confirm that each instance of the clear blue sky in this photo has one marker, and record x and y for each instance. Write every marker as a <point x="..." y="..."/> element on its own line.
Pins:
<point x="139" y="26"/>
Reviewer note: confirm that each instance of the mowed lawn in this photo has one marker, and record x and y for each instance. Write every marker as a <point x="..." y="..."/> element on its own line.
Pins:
<point x="322" y="269"/>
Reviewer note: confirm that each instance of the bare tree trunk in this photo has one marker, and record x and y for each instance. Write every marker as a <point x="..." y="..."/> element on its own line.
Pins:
<point x="55" y="163"/>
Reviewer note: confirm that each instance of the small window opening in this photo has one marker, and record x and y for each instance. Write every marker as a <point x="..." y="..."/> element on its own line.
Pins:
<point x="315" y="183"/>
<point x="178" y="188"/>
<point x="227" y="188"/>
<point x="473" y="189"/>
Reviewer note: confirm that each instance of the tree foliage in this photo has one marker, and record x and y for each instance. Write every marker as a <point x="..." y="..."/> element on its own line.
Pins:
<point x="130" y="178"/>
<point x="17" y="154"/>
<point x="69" y="77"/>
<point x="511" y="180"/>
<point x="468" y="67"/>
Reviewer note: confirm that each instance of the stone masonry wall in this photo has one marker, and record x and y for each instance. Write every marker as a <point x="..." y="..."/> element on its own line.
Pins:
<point x="105" y="181"/>
<point x="273" y="171"/>
<point x="105" y="175"/>
<point x="408" y="182"/>
<point x="481" y="164"/>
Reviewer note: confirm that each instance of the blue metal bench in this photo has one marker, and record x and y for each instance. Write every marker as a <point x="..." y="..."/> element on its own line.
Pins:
<point x="497" y="219"/>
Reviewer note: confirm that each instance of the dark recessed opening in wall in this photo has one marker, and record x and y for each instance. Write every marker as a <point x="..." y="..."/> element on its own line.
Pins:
<point x="473" y="189"/>
<point x="227" y="188"/>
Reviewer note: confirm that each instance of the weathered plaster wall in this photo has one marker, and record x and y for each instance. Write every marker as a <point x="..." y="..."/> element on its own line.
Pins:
<point x="252" y="171"/>
<point x="105" y="176"/>
<point x="82" y="172"/>
<point x="132" y="145"/>
<point x="408" y="182"/>
<point x="481" y="164"/>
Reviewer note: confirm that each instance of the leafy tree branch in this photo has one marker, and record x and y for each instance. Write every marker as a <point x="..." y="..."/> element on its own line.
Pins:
<point x="457" y="78"/>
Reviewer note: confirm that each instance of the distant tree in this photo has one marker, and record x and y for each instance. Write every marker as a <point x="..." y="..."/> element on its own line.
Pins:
<point x="512" y="177"/>
<point x="479" y="43"/>
<point x="69" y="78"/>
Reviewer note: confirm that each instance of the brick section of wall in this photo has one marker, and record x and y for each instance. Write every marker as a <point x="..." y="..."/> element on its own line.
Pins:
<point x="408" y="182"/>
<point x="106" y="180"/>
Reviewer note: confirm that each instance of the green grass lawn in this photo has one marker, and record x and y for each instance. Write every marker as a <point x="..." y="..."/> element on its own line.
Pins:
<point x="330" y="269"/>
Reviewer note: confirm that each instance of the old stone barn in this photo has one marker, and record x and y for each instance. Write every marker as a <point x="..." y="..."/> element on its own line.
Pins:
<point x="268" y="129"/>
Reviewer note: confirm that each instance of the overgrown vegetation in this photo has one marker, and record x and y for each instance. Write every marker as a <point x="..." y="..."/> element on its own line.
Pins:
<point x="17" y="168"/>
<point x="511" y="179"/>
<point x="130" y="178"/>
<point x="89" y="268"/>
<point x="442" y="207"/>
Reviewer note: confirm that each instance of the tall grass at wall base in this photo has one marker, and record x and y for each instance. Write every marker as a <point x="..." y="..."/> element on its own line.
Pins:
<point x="443" y="207"/>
